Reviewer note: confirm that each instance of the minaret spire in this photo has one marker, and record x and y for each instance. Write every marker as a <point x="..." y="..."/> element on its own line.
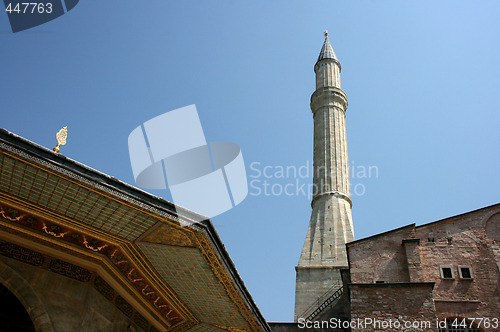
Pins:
<point x="330" y="227"/>
<point x="327" y="50"/>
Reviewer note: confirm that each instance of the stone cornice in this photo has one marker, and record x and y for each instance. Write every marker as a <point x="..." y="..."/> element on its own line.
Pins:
<point x="395" y="284"/>
<point x="328" y="96"/>
<point x="335" y="61"/>
<point x="332" y="193"/>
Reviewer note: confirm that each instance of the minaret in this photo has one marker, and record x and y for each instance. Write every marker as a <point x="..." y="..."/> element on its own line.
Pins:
<point x="330" y="227"/>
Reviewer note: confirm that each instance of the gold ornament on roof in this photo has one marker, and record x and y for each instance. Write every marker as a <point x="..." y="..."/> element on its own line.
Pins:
<point x="326" y="33"/>
<point x="61" y="138"/>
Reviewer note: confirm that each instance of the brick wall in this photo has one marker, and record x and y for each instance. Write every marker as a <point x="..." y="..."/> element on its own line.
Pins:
<point x="409" y="258"/>
<point x="380" y="258"/>
<point x="389" y="307"/>
<point x="463" y="241"/>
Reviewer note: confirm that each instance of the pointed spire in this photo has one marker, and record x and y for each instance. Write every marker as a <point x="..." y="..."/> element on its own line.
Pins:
<point x="327" y="50"/>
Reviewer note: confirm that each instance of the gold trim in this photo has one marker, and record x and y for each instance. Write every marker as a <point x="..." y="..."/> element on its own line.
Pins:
<point x="159" y="285"/>
<point x="231" y="328"/>
<point x="85" y="242"/>
<point x="52" y="233"/>
<point x="167" y="234"/>
<point x="97" y="266"/>
<point x="226" y="281"/>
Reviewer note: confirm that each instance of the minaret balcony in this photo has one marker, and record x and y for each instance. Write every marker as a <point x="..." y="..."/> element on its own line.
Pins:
<point x="328" y="96"/>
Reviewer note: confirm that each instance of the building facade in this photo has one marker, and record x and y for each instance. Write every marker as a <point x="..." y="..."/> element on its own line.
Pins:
<point x="442" y="274"/>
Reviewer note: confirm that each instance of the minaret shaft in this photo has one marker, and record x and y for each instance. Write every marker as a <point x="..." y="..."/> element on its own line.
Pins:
<point x="328" y="76"/>
<point x="330" y="226"/>
<point x="331" y="169"/>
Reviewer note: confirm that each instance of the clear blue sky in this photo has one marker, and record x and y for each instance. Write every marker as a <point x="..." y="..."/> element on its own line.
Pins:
<point x="422" y="79"/>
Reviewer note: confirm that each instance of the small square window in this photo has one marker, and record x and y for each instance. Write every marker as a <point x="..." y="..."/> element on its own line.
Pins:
<point x="465" y="272"/>
<point x="430" y="237"/>
<point x="446" y="272"/>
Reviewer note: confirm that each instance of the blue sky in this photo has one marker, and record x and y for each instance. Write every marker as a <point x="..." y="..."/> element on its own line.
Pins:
<point x="422" y="79"/>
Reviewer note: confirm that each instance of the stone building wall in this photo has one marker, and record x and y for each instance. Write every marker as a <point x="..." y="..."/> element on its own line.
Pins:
<point x="469" y="241"/>
<point x="392" y="307"/>
<point x="380" y="258"/>
<point x="399" y="274"/>
<point x="58" y="303"/>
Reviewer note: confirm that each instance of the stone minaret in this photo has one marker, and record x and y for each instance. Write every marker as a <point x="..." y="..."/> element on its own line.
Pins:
<point x="330" y="227"/>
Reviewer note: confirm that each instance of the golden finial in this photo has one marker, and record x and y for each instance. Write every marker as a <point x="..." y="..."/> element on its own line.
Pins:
<point x="326" y="33"/>
<point x="61" y="138"/>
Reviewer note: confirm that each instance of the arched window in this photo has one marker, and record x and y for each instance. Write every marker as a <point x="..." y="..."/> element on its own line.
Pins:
<point x="13" y="315"/>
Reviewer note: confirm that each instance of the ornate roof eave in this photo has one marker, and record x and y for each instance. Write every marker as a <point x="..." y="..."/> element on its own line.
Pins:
<point x="163" y="229"/>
